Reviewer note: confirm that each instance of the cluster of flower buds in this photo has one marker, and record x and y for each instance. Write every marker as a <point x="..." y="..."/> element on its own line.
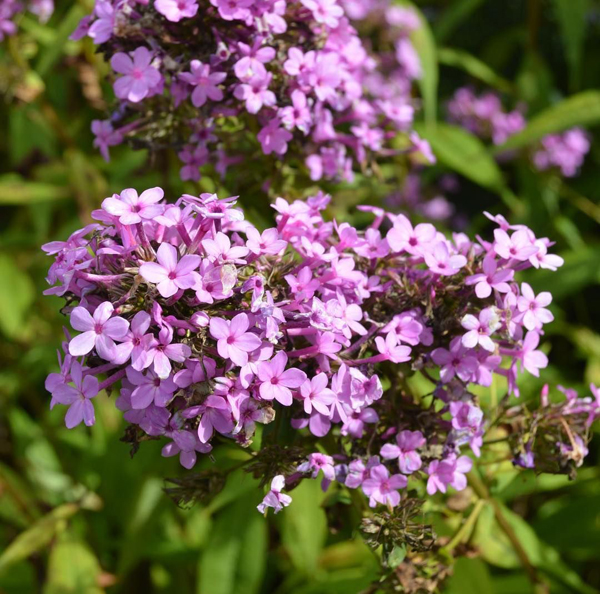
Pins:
<point x="213" y="328"/>
<point x="221" y="81"/>
<point x="11" y="10"/>
<point x="485" y="117"/>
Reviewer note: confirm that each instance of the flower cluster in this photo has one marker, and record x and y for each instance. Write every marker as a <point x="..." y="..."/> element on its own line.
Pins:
<point x="10" y="10"/>
<point x="213" y="329"/>
<point x="485" y="117"/>
<point x="218" y="80"/>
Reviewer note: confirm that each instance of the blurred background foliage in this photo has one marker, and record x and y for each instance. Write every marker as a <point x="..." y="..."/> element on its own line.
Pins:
<point x="78" y="516"/>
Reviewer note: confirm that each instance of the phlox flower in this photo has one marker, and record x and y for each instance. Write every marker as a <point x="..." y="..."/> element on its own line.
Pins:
<point x="382" y="488"/>
<point x="78" y="398"/>
<point x="99" y="331"/>
<point x="408" y="442"/>
<point x="131" y="208"/>
<point x="139" y="76"/>
<point x="277" y="382"/>
<point x="533" y="308"/>
<point x="169" y="274"/>
<point x="204" y="81"/>
<point x="233" y="339"/>
<point x="275" y="498"/>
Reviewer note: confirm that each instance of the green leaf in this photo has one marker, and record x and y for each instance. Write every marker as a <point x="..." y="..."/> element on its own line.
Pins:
<point x="72" y="569"/>
<point x="397" y="555"/>
<point x="17" y="294"/>
<point x="470" y="576"/>
<point x="37" y="537"/>
<point x="579" y="110"/>
<point x="464" y="153"/>
<point x="424" y="43"/>
<point x="453" y="16"/>
<point x="15" y="191"/>
<point x="572" y="20"/>
<point x="235" y="560"/>
<point x="304" y="527"/>
<point x="475" y="67"/>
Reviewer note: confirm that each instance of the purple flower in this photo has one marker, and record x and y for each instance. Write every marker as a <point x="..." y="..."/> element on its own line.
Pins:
<point x="105" y="136"/>
<point x="163" y="351"/>
<point x="78" y="397"/>
<point x="216" y="415"/>
<point x="382" y="488"/>
<point x="298" y="114"/>
<point x="491" y="278"/>
<point x="391" y="349"/>
<point x="175" y="10"/>
<point x="233" y="340"/>
<point x="454" y="362"/>
<point x="533" y="308"/>
<point x="266" y="243"/>
<point x="448" y="472"/>
<point x="317" y="395"/>
<point x="273" y="138"/>
<point x="518" y="246"/>
<point x="131" y="208"/>
<point x="440" y="261"/>
<point x="168" y="274"/>
<point x="150" y="389"/>
<point x="205" y="83"/>
<point x="479" y="330"/>
<point x="532" y="359"/>
<point x="102" y="28"/>
<point x="256" y="93"/>
<point x="99" y="331"/>
<point x="276" y="381"/>
<point x="403" y="237"/>
<point x="327" y="12"/>
<point x="139" y="76"/>
<point x="275" y="498"/>
<point x="408" y="442"/>
<point x="136" y="343"/>
<point x="317" y="462"/>
<point x="186" y="444"/>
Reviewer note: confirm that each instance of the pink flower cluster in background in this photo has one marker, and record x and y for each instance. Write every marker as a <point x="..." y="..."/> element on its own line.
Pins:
<point x="292" y="77"/>
<point x="212" y="328"/>
<point x="485" y="117"/>
<point x="11" y="10"/>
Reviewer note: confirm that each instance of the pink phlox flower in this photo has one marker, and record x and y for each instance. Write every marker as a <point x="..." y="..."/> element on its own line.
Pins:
<point x="403" y="237"/>
<point x="408" y="442"/>
<point x="256" y="93"/>
<point x="175" y="10"/>
<point x="251" y="64"/>
<point x="406" y="328"/>
<point x="532" y="359"/>
<point x="266" y="243"/>
<point x="440" y="261"/>
<point x="303" y="285"/>
<point x="247" y="373"/>
<point x="216" y="416"/>
<point x="326" y="12"/>
<point x="101" y="29"/>
<point x="298" y="114"/>
<point x="373" y="246"/>
<point x="455" y="362"/>
<point x="275" y="498"/>
<point x="533" y="308"/>
<point x="230" y="10"/>
<point x="518" y="246"/>
<point x="491" y="278"/>
<point x="78" y="398"/>
<point x="186" y="444"/>
<point x="234" y="342"/>
<point x="195" y="372"/>
<point x="316" y="463"/>
<point x="169" y="274"/>
<point x="139" y="76"/>
<point x="392" y="349"/>
<point x="382" y="488"/>
<point x="358" y="471"/>
<point x="448" y="472"/>
<point x="542" y="259"/>
<point x="162" y="351"/>
<point x="105" y="136"/>
<point x="273" y="138"/>
<point x="354" y="426"/>
<point x="130" y="208"/>
<point x="220" y="249"/>
<point x="99" y="331"/>
<point x="480" y="329"/>
<point x="317" y="395"/>
<point x="150" y="389"/>
<point x="277" y="382"/>
<point x="205" y="83"/>
<point x="136" y="343"/>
